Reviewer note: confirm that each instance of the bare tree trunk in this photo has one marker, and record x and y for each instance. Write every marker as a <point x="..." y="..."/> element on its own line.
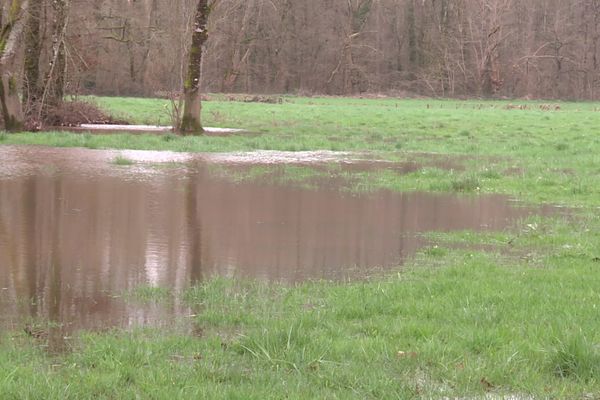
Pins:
<point x="191" y="120"/>
<point x="10" y="44"/>
<point x="54" y="85"/>
<point x="33" y="49"/>
<point x="241" y="47"/>
<point x="357" y="13"/>
<point x="153" y="20"/>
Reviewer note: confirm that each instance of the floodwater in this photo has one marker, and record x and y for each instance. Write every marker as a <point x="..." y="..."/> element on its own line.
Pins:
<point x="78" y="231"/>
<point x="143" y="129"/>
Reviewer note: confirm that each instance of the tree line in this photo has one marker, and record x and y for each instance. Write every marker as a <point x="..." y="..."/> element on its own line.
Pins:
<point x="446" y="48"/>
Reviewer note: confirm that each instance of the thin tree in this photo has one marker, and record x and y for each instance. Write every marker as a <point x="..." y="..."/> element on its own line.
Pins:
<point x="191" y="119"/>
<point x="54" y="84"/>
<point x="33" y="50"/>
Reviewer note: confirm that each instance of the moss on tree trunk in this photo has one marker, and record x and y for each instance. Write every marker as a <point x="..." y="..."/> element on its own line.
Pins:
<point x="9" y="101"/>
<point x="191" y="119"/>
<point x="10" y="42"/>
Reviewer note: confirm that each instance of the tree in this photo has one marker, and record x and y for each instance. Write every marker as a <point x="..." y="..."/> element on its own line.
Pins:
<point x="54" y="83"/>
<point x="33" y="51"/>
<point x="357" y="14"/>
<point x="537" y="48"/>
<point x="43" y="89"/>
<point x="10" y="45"/>
<point x="191" y="120"/>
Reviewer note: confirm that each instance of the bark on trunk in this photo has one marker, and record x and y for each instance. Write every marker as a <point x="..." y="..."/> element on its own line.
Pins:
<point x="190" y="121"/>
<point x="153" y="23"/>
<point x="33" y="49"/>
<point x="10" y="44"/>
<point x="54" y="84"/>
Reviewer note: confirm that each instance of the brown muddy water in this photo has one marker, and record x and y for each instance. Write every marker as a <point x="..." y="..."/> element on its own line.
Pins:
<point x="77" y="231"/>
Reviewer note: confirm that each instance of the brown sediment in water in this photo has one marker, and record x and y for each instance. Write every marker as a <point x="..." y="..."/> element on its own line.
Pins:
<point x="76" y="230"/>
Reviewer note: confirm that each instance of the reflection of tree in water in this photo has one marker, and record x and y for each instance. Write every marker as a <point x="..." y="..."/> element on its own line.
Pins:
<point x="30" y="254"/>
<point x="22" y="246"/>
<point x="41" y="292"/>
<point x="196" y="174"/>
<point x="197" y="201"/>
<point x="10" y="256"/>
<point x="56" y="342"/>
<point x="194" y="225"/>
<point x="71" y="243"/>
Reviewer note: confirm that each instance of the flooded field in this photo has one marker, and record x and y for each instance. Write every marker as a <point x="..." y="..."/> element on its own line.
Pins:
<point x="77" y="231"/>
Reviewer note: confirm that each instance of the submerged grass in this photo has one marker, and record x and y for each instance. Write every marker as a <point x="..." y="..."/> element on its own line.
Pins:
<point x="149" y="294"/>
<point x="122" y="161"/>
<point x="474" y="315"/>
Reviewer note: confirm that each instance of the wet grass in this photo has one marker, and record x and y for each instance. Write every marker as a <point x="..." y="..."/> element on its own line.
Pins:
<point x="454" y="324"/>
<point x="474" y="315"/>
<point x="149" y="294"/>
<point x="296" y="175"/>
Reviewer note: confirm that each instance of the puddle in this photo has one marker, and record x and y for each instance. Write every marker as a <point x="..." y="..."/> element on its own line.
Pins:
<point x="143" y="129"/>
<point x="78" y="231"/>
<point x="268" y="157"/>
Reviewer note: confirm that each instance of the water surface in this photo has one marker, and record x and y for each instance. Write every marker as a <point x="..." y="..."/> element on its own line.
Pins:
<point x="78" y="231"/>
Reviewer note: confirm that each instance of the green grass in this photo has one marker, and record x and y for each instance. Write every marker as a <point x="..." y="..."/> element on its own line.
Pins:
<point x="453" y="320"/>
<point x="472" y="315"/>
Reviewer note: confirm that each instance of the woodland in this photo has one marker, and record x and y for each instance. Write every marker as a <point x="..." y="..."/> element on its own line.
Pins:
<point x="434" y="48"/>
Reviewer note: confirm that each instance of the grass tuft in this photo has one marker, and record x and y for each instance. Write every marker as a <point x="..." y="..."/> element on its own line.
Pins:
<point x="489" y="173"/>
<point x="576" y="358"/>
<point x="169" y="137"/>
<point x="122" y="161"/>
<point x="466" y="184"/>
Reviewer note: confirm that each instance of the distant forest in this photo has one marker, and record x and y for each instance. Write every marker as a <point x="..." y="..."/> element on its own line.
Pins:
<point x="447" y="48"/>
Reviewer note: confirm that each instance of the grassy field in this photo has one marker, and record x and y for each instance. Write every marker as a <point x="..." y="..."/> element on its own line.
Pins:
<point x="474" y="316"/>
